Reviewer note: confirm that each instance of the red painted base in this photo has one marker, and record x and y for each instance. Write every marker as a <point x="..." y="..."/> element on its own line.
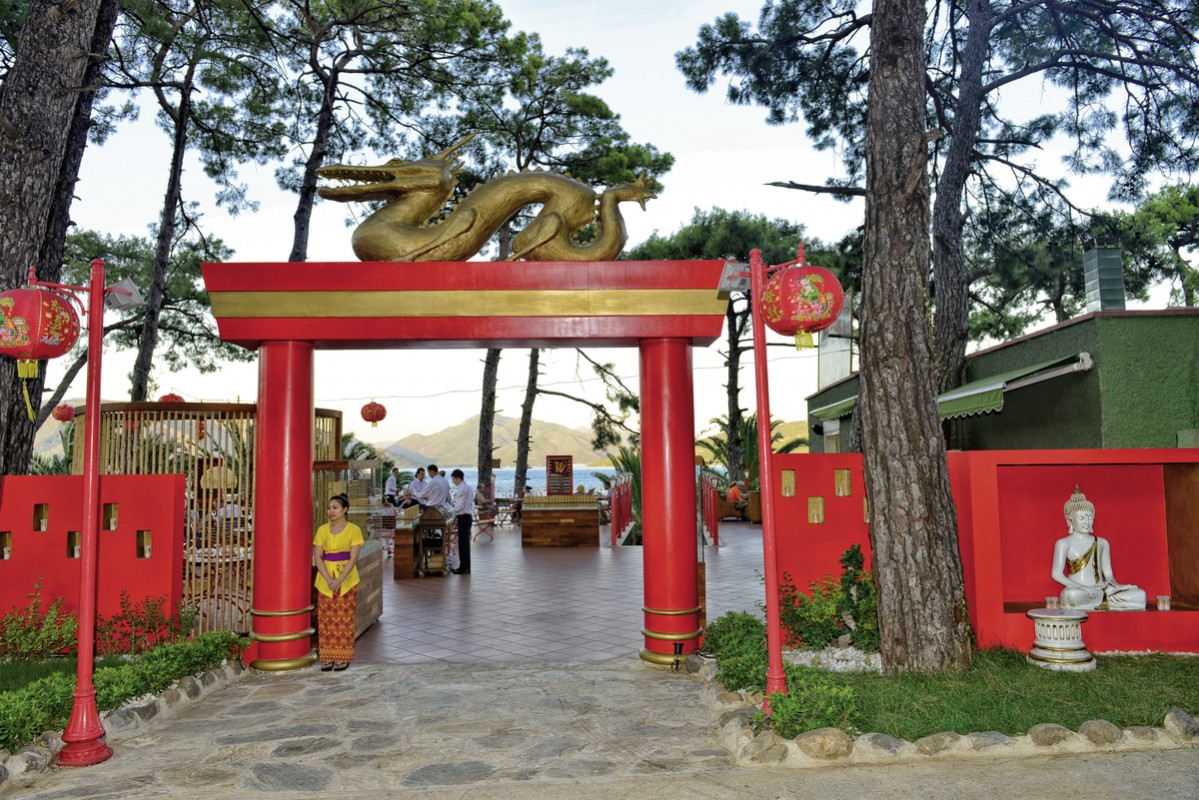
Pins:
<point x="84" y="735"/>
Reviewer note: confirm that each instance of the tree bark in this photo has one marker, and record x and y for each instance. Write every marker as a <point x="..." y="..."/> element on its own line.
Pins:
<point x="491" y="371"/>
<point x="36" y="107"/>
<point x="734" y="448"/>
<point x="952" y="283"/>
<point x="156" y="294"/>
<point x="325" y="120"/>
<point x="526" y="424"/>
<point x="913" y="530"/>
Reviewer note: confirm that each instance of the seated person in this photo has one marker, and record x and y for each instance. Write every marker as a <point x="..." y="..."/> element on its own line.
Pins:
<point x="415" y="491"/>
<point x="1082" y="563"/>
<point x="735" y="498"/>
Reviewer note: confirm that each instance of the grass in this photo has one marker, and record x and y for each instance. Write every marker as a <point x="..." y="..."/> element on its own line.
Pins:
<point x="18" y="674"/>
<point x="1002" y="692"/>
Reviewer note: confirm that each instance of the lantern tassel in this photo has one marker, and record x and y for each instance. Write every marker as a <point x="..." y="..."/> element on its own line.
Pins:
<point x="803" y="339"/>
<point x="26" y="370"/>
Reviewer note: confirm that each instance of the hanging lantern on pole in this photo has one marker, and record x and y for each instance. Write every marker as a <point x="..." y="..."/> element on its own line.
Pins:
<point x="372" y="412"/>
<point x="64" y="413"/>
<point x="35" y="324"/>
<point x="801" y="299"/>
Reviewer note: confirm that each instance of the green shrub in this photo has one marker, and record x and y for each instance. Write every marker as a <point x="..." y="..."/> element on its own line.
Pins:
<point x="814" y="700"/>
<point x="46" y="703"/>
<point x="28" y="634"/>
<point x="735" y="632"/>
<point x="141" y="626"/>
<point x="832" y="608"/>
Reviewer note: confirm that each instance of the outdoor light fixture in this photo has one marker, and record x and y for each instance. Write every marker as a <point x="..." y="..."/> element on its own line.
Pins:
<point x="734" y="277"/>
<point x="123" y="296"/>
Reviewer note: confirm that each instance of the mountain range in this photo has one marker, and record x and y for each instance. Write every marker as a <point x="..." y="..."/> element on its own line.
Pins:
<point x="459" y="445"/>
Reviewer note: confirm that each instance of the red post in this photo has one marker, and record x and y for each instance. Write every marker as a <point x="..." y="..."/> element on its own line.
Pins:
<point x="282" y="606"/>
<point x="84" y="734"/>
<point x="668" y="511"/>
<point x="776" y="679"/>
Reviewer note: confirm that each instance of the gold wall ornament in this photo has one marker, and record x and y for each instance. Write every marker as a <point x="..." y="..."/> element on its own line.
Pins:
<point x="412" y="227"/>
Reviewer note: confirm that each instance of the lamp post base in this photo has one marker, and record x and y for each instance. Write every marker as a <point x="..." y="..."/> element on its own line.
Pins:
<point x="84" y="735"/>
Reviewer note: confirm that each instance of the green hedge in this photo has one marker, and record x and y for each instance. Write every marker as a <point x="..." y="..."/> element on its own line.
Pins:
<point x="46" y="703"/>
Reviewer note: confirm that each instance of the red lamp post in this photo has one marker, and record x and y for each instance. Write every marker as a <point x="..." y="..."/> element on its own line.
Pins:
<point x="798" y="299"/>
<point x="84" y="734"/>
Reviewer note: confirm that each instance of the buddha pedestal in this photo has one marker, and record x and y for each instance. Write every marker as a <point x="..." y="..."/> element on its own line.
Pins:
<point x="1058" y="641"/>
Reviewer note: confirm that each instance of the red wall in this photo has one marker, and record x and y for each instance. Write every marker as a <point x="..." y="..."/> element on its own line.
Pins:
<point x="153" y="503"/>
<point x="1009" y="506"/>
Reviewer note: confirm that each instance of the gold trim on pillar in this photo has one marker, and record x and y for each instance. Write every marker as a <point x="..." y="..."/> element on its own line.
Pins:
<point x="659" y="612"/>
<point x="281" y="664"/>
<point x="281" y="637"/>
<point x="671" y="637"/>
<point x="303" y="610"/>
<point x="662" y="659"/>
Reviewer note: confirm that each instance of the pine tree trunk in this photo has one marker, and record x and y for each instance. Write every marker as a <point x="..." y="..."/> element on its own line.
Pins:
<point x="156" y="292"/>
<point x="913" y="530"/>
<point x="951" y="282"/>
<point x="491" y="371"/>
<point x="302" y="219"/>
<point x="36" y="107"/>
<point x="734" y="449"/>
<point x="526" y="424"/>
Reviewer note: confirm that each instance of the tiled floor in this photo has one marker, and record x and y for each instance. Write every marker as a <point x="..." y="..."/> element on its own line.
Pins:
<point x="544" y="604"/>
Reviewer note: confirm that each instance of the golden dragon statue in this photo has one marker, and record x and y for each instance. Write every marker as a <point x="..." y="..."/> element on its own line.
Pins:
<point x="411" y="225"/>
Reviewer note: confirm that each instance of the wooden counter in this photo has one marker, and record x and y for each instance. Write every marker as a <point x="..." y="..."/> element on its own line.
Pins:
<point x="560" y="521"/>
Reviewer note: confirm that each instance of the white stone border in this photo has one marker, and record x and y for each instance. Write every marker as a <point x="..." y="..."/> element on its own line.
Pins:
<point x="830" y="746"/>
<point x="20" y="769"/>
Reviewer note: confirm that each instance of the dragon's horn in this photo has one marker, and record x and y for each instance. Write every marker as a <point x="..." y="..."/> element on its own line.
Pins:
<point x="446" y="154"/>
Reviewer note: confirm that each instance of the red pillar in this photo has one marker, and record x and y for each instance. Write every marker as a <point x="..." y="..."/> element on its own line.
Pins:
<point x="282" y="627"/>
<point x="669" y="532"/>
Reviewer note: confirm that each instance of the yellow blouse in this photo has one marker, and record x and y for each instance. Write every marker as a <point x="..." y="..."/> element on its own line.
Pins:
<point x="330" y="542"/>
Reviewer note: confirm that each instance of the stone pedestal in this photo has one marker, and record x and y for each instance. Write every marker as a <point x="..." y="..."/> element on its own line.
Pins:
<point x="1058" y="641"/>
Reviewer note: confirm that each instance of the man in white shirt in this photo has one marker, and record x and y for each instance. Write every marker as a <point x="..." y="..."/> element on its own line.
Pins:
<point x="464" y="513"/>
<point x="390" y="489"/>
<point x="437" y="490"/>
<point x="416" y="491"/>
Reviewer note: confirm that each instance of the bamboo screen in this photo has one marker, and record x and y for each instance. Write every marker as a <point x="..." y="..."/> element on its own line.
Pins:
<point x="213" y="446"/>
<point x="360" y="481"/>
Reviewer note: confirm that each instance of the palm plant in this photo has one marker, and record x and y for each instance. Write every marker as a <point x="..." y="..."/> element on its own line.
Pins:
<point x="628" y="459"/>
<point x="750" y="467"/>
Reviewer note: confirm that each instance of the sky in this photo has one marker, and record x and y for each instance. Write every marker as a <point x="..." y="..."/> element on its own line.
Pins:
<point x="724" y="156"/>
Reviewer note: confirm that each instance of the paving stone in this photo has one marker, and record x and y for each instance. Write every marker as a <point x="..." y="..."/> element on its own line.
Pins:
<point x="743" y="714"/>
<point x="1048" y="734"/>
<point x="765" y="748"/>
<point x="825" y="743"/>
<point x="937" y="743"/>
<point x="1100" y="731"/>
<point x="1181" y="724"/>
<point x="271" y="734"/>
<point x="985" y="740"/>
<point x="581" y="769"/>
<point x="374" y="743"/>
<point x="300" y="747"/>
<point x="555" y="746"/>
<point x="291" y="777"/>
<point x="367" y="726"/>
<point x="451" y="774"/>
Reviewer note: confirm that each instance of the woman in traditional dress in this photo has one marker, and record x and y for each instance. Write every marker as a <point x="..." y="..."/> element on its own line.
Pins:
<point x="335" y="549"/>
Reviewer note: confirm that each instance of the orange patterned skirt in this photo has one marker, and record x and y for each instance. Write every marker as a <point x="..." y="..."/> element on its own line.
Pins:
<point x="335" y="626"/>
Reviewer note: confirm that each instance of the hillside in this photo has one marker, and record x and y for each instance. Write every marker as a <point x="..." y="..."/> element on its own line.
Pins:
<point x="459" y="445"/>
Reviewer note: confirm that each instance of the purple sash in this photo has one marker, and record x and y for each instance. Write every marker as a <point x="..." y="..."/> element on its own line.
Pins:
<point x="337" y="556"/>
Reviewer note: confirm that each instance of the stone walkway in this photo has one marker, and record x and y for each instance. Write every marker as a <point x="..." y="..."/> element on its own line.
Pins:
<point x="614" y="729"/>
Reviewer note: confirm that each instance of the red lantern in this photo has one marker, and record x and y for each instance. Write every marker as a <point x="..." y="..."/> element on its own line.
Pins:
<point x="802" y="300"/>
<point x="63" y="413"/>
<point x="201" y="431"/>
<point x="372" y="412"/>
<point x="170" y="398"/>
<point x="35" y="323"/>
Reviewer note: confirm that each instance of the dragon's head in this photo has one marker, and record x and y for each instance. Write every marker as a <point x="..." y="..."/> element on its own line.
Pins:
<point x="437" y="174"/>
<point x="639" y="190"/>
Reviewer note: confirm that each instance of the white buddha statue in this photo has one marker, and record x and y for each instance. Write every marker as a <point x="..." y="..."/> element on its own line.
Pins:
<point x="1082" y="562"/>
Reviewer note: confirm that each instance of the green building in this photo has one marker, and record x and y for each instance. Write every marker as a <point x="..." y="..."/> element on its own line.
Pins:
<point x="1102" y="380"/>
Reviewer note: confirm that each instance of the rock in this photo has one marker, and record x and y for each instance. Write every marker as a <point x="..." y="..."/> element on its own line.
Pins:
<point x="578" y="769"/>
<point x="1048" y="734"/>
<point x="825" y="743"/>
<point x="456" y="772"/>
<point x="3" y="775"/>
<point x="36" y="757"/>
<point x="146" y="711"/>
<point x="52" y="740"/>
<point x="844" y="640"/>
<point x="1181" y="724"/>
<point x="988" y="739"/>
<point x="190" y="687"/>
<point x="299" y="747"/>
<point x="1100" y="731"/>
<point x="765" y="748"/>
<point x="742" y="714"/>
<point x="694" y="663"/>
<point x="290" y="777"/>
<point x="1144" y="733"/>
<point x="729" y="698"/>
<point x="937" y="743"/>
<point x="171" y="697"/>
<point x="208" y="678"/>
<point x="120" y="719"/>
<point x="879" y="745"/>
